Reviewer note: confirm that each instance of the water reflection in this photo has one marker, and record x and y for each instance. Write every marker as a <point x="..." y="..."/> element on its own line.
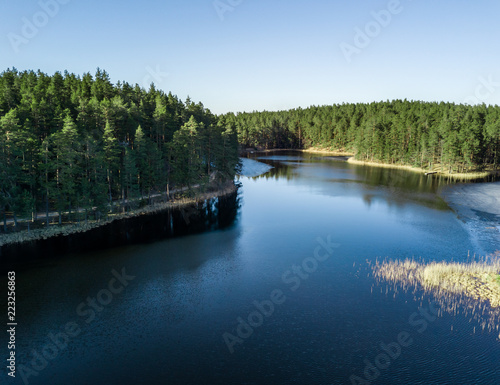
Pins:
<point x="395" y="187"/>
<point x="167" y="326"/>
<point x="471" y="289"/>
<point x="201" y="216"/>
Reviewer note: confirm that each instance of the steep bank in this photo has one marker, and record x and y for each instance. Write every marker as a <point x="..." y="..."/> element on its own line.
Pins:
<point x="185" y="216"/>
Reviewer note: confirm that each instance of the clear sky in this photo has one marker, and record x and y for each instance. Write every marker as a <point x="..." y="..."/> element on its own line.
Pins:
<point x="244" y="55"/>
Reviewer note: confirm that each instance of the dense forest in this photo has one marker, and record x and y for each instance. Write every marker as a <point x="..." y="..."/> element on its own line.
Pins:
<point x="85" y="147"/>
<point x="461" y="138"/>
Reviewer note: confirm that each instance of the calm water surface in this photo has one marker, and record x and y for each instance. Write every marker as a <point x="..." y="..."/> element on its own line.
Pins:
<point x="329" y="319"/>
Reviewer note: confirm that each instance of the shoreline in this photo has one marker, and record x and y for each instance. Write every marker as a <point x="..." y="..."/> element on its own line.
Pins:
<point x="436" y="170"/>
<point x="318" y="150"/>
<point x="21" y="237"/>
<point x="310" y="150"/>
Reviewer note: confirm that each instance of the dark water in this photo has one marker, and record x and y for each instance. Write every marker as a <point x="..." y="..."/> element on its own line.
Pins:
<point x="328" y="319"/>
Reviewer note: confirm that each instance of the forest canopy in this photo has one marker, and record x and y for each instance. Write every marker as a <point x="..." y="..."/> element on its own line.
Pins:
<point x="81" y="143"/>
<point x="459" y="137"/>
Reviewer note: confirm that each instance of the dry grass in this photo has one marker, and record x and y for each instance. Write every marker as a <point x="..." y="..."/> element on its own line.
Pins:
<point x="386" y="165"/>
<point x="440" y="171"/>
<point x="437" y="169"/>
<point x="472" y="288"/>
<point x="474" y="280"/>
<point x="328" y="151"/>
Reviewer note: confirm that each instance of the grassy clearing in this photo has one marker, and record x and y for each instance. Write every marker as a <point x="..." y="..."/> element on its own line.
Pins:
<point x="472" y="288"/>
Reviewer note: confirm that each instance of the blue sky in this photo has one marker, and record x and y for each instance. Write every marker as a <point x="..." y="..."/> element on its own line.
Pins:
<point x="244" y="55"/>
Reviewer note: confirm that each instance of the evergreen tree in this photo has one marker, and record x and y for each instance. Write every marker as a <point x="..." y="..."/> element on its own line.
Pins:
<point x="69" y="142"/>
<point x="186" y="158"/>
<point x="67" y="153"/>
<point x="111" y="157"/>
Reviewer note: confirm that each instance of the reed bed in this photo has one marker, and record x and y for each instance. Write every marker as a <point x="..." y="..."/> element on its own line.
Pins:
<point x="472" y="289"/>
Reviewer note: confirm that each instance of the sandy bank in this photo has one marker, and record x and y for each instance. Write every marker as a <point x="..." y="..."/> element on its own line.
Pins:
<point x="386" y="165"/>
<point x="310" y="150"/>
<point x="326" y="151"/>
<point x="437" y="170"/>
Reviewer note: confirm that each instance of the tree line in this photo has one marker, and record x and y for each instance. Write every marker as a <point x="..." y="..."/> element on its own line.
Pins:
<point x="77" y="145"/>
<point x="459" y="137"/>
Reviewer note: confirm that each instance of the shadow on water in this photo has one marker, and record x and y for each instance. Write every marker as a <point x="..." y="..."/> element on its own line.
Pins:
<point x="400" y="186"/>
<point x="208" y="215"/>
<point x="168" y="326"/>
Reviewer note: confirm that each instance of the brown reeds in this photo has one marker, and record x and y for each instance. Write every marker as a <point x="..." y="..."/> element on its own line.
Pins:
<point x="472" y="289"/>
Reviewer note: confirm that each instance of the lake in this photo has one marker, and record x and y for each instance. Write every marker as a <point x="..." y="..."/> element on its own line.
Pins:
<point x="284" y="295"/>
